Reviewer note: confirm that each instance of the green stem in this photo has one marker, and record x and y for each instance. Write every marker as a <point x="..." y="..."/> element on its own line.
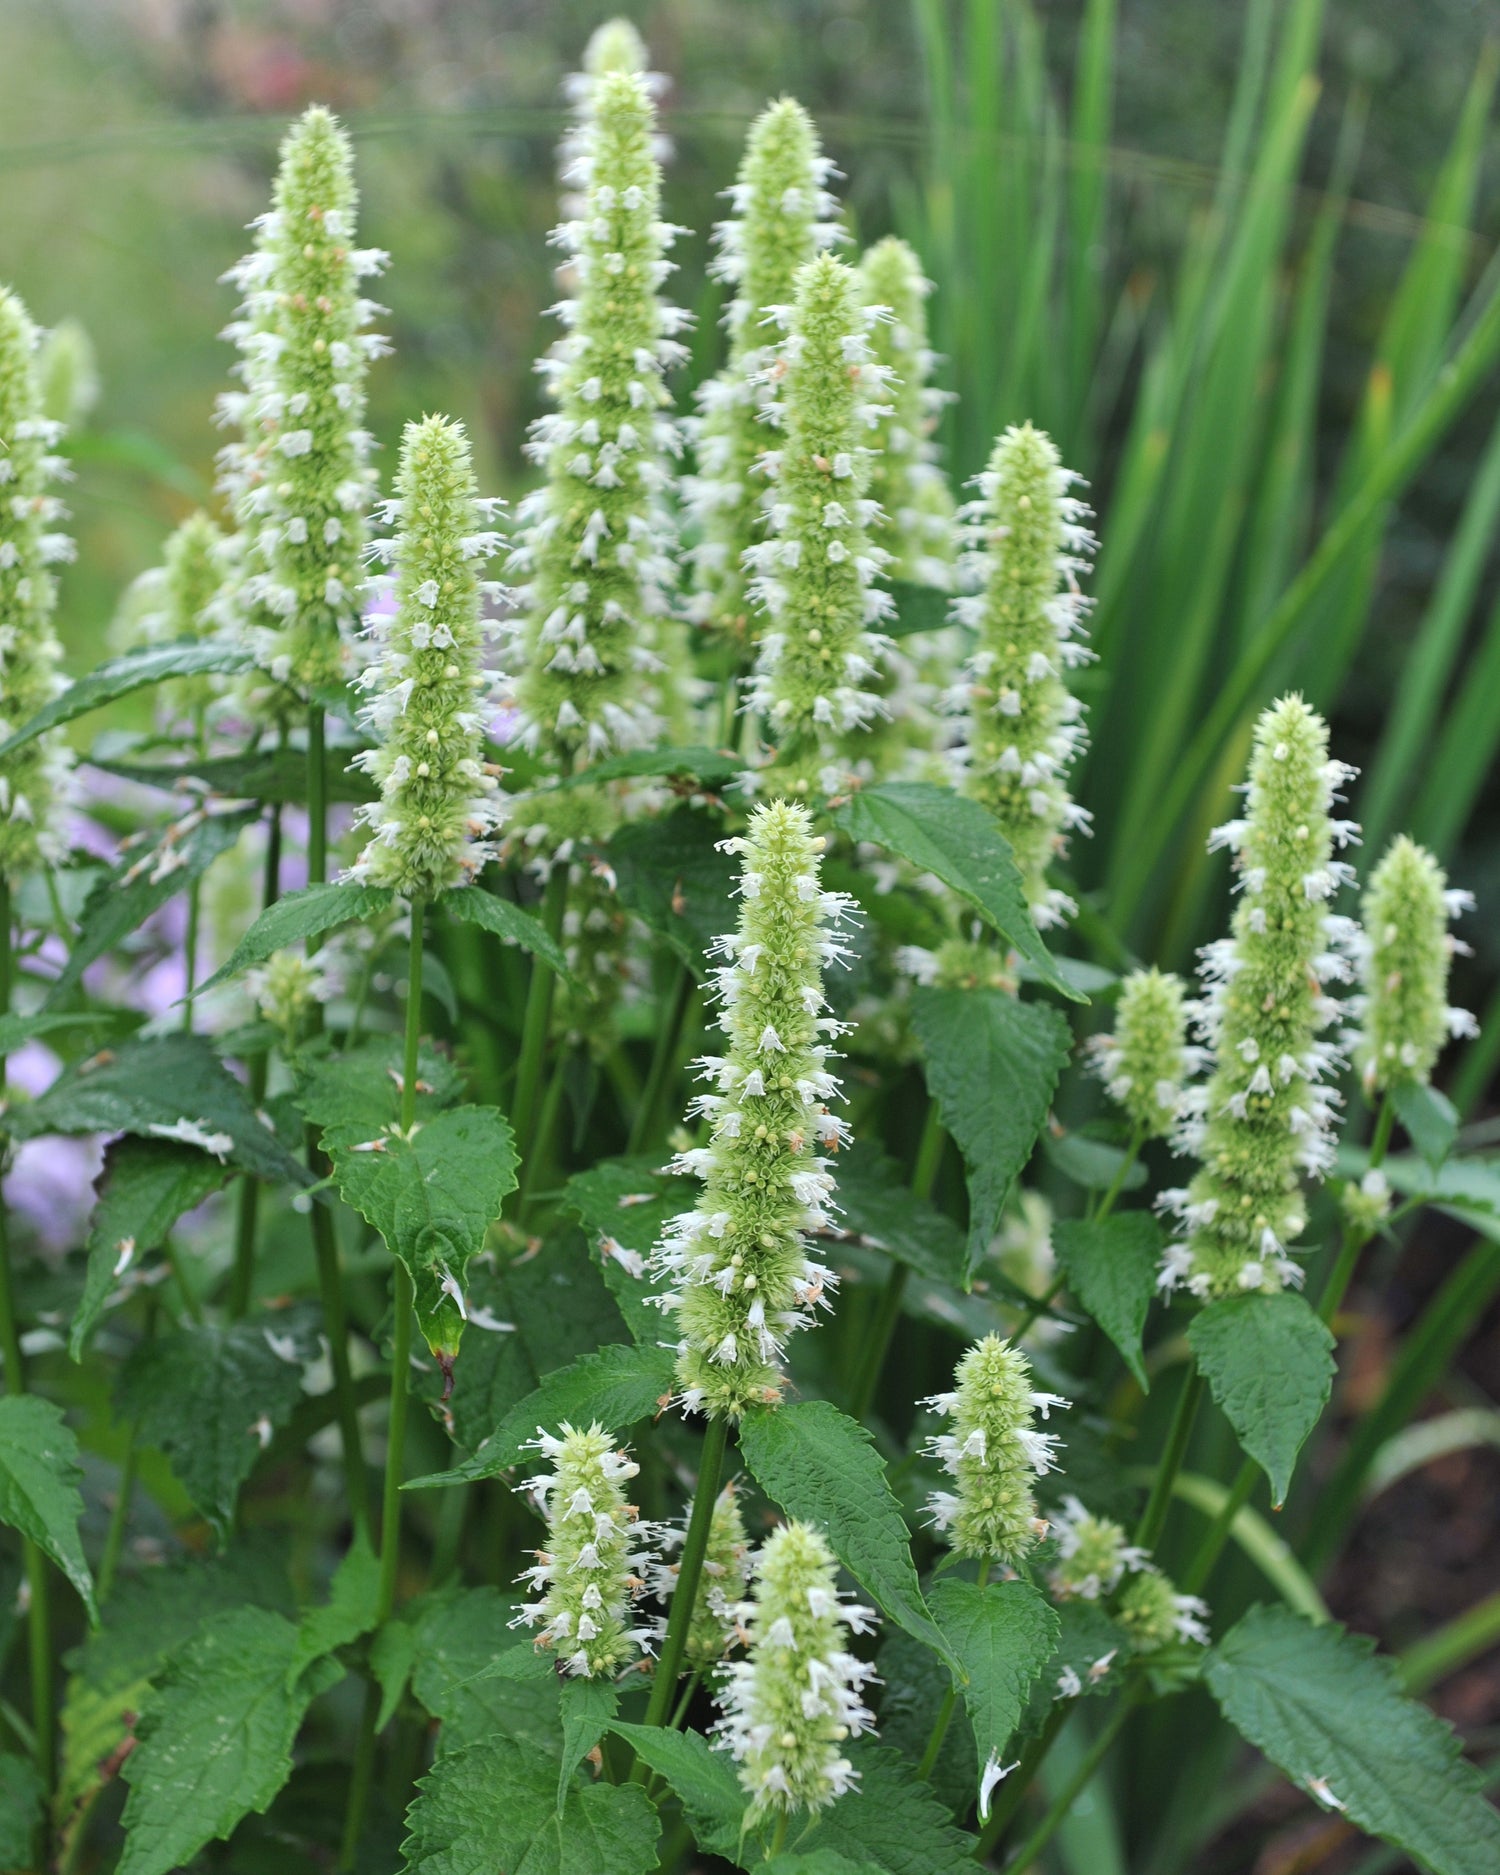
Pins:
<point x="945" y="1710"/>
<point x="1218" y="1532"/>
<point x="119" y="1524"/>
<point x="1132" y="1153"/>
<point x="1057" y="1815"/>
<point x="1355" y="1240"/>
<point x="336" y="1323"/>
<point x="690" y="1687"/>
<point x="1036" y="1308"/>
<point x="1173" y="1453"/>
<point x="247" y="1214"/>
<point x="877" y="1342"/>
<point x="534" y="1170"/>
<point x="1451" y="1646"/>
<point x="778" y="1836"/>
<point x="523" y="1112"/>
<point x="190" y="952"/>
<point x="685" y="1595"/>
<point x="317" y="801"/>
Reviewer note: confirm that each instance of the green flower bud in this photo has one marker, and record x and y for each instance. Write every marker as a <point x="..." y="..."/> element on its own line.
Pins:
<point x="177" y="600"/>
<point x="791" y="1707"/>
<point x="993" y="1452"/>
<point x="780" y="221"/>
<point x="739" y="1261"/>
<point x="717" y="1609"/>
<point x="1028" y="545"/>
<point x="1367" y="1204"/>
<point x="1146" y="1063"/>
<point x="35" y="781"/>
<point x="1266" y="1117"/>
<point x="68" y="371"/>
<point x="615" y="46"/>
<point x="1093" y="1554"/>
<point x="596" y="547"/>
<point x="438" y="804"/>
<point x="1404" y="953"/>
<point x="287" y="989"/>
<point x="1154" y="1615"/>
<point x="589" y="1576"/>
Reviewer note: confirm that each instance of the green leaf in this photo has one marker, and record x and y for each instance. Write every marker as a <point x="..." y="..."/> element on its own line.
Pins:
<point x="461" y="1640"/>
<point x="820" y="1862"/>
<point x="208" y="1397"/>
<point x="215" y="1739"/>
<point x="39" y="1495"/>
<point x="624" y="1205"/>
<point x="493" y="1806"/>
<point x="819" y="1464"/>
<point x="1111" y="1268"/>
<point x="588" y="1706"/>
<point x="918" y="609"/>
<point x="156" y="1086"/>
<point x="152" y="664"/>
<point x="273" y="775"/>
<point x="711" y="767"/>
<point x="619" y="1386"/>
<point x="879" y="1207"/>
<point x="299" y="916"/>
<point x="1325" y="1709"/>
<point x="351" y="1610"/>
<point x="14" y="1030"/>
<point x="1092" y="1164"/>
<point x="145" y="1186"/>
<point x="1269" y="1361"/>
<point x="914" y="1685"/>
<point x="1005" y="1635"/>
<point x="1430" y="1119"/>
<point x="21" y="1794"/>
<point x="892" y="1821"/>
<point x="702" y="1779"/>
<point x="991" y="1064"/>
<point x="946" y="834"/>
<point x="671" y="874"/>
<point x="471" y="904"/>
<point x="1086" y="1639"/>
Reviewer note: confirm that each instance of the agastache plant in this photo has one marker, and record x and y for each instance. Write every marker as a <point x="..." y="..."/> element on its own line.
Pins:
<point x="717" y="1617"/>
<point x="1147" y="1062"/>
<point x="739" y="1262"/>
<point x="35" y="780"/>
<point x="1405" y="951"/>
<point x="1027" y="547"/>
<point x="179" y="600"/>
<point x="1264" y="1119"/>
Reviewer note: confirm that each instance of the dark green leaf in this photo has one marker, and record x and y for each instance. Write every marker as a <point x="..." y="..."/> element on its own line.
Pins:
<point x="473" y="905"/>
<point x="818" y="1464"/>
<point x="145" y="1186"/>
<point x="1005" y="1635"/>
<point x="588" y="1706"/>
<point x="918" y="609"/>
<point x="914" y="1684"/>
<point x="459" y="1648"/>
<point x="1269" y="1361"/>
<point x="711" y="767"/>
<point x="209" y="1397"/>
<point x="879" y="1206"/>
<point x="274" y="775"/>
<point x="21" y="1794"/>
<point x="152" y="664"/>
<point x="702" y="1779"/>
<point x="624" y="1205"/>
<point x="351" y="1610"/>
<point x="992" y="1064"/>
<point x="1330" y="1713"/>
<point x="820" y="1862"/>
<point x="891" y="1821"/>
<point x="946" y="834"/>
<point x="299" y="916"/>
<point x="1092" y="1164"/>
<point x="14" y="1030"/>
<point x="1088" y="1645"/>
<point x="1430" y="1119"/>
<point x="492" y="1807"/>
<point x="1111" y="1268"/>
<point x="39" y="1476"/>
<point x="671" y="874"/>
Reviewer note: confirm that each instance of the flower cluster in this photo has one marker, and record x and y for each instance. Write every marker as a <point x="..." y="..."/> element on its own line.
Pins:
<point x="34" y="781"/>
<point x="1266" y="1114"/>
<point x="438" y="799"/>
<point x="1146" y="1063"/>
<point x="1154" y="1615"/>
<point x="287" y="988"/>
<point x="179" y="599"/>
<point x="298" y="478"/>
<point x="1026" y="547"/>
<point x="781" y="209"/>
<point x="819" y="663"/>
<point x="790" y="1708"/>
<point x="1093" y="1554"/>
<point x="591" y="1573"/>
<point x="1405" y="949"/>
<point x="739" y="1261"/>
<point x="992" y="1451"/>
<point x="717" y="1608"/>
<point x="595" y="549"/>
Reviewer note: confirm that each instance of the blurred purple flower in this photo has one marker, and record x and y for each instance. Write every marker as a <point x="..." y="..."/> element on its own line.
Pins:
<point x="50" y="1185"/>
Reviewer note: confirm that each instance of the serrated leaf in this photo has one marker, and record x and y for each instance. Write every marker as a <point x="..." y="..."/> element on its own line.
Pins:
<point x="1088" y="1645"/>
<point x="136" y="670"/>
<point x="351" y="1609"/>
<point x="624" y="1204"/>
<point x="588" y="1706"/>
<point x="918" y="609"/>
<point x="670" y="873"/>
<point x="947" y="834"/>
<point x="272" y="775"/>
<point x="39" y="1495"/>
<point x="819" y="1464"/>
<point x="879" y="1206"/>
<point x="619" y="1386"/>
<point x="144" y="1187"/>
<point x="14" y="1030"/>
<point x="1330" y="1713"/>
<point x="471" y="904"/>
<point x="21" y="1796"/>
<point x="892" y="1821"/>
<point x="154" y="1087"/>
<point x="1004" y="1634"/>
<point x="208" y="1398"/>
<point x="703" y="1781"/>
<point x="711" y="767"/>
<point x="216" y="1738"/>
<point x="1269" y="1362"/>
<point x="492" y="1806"/>
<point x="914" y="1684"/>
<point x="299" y="916"/>
<point x="991" y="1064"/>
<point x="1111" y="1268"/>
<point x="1430" y="1119"/>
<point x="820" y="1862"/>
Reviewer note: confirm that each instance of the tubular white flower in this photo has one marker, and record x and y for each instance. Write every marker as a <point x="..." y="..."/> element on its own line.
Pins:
<point x="1093" y="1554"/>
<point x="717" y="1608"/>
<point x="1146" y="1063"/>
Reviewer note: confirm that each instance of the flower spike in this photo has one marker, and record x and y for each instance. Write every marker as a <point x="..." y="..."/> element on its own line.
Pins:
<point x="1404" y="951"/>
<point x="1146" y="1063"/>
<point x="717" y="1609"/>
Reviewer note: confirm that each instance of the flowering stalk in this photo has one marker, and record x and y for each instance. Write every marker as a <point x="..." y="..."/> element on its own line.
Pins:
<point x="1093" y="1554"/>
<point x="1405" y="950"/>
<point x="1266" y="1116"/>
<point x="1154" y="1614"/>
<point x="817" y="669"/>
<point x="179" y="599"/>
<point x="780" y="221"/>
<point x="739" y="1261"/>
<point x="713" y="1625"/>
<point x="1146" y="1062"/>
<point x="792" y="1705"/>
<point x="1028" y="545"/>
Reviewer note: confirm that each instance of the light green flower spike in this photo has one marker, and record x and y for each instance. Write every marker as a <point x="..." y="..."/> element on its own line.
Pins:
<point x="1027" y="547"/>
<point x="992" y="1451"/>
<point x="595" y="547"/>
<point x="1265" y="1116"/>
<point x="176" y="600"/>
<point x="718" y="1609"/>
<point x="287" y="988"/>
<point x="438" y="800"/>
<point x="590" y="1575"/>
<point x="739" y="1262"/>
<point x="68" y="369"/>
<point x="780" y="221"/>
<point x="34" y="782"/>
<point x="1154" y="1615"/>
<point x="298" y="481"/>
<point x="1093" y="1554"/>
<point x="791" y="1707"/>
<point x="1404" y="951"/>
<point x="1146" y="1063"/>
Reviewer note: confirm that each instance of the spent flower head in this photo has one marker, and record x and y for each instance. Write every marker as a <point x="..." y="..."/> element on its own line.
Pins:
<point x="1405" y="949"/>
<point x="791" y="1707"/>
<point x="742" y="1273"/>
<point x="717" y="1609"/>
<point x="1146" y="1063"/>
